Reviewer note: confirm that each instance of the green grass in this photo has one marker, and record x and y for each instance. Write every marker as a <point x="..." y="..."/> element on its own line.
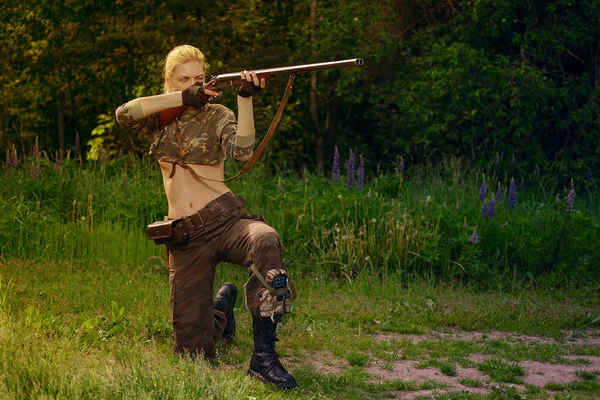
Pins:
<point x="587" y="375"/>
<point x="71" y="330"/>
<point x="446" y="368"/>
<point x="470" y="382"/>
<point x="357" y="359"/>
<point x="404" y="227"/>
<point x="502" y="371"/>
<point x="581" y="386"/>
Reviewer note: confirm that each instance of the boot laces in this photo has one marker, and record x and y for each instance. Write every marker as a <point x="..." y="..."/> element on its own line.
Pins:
<point x="269" y="355"/>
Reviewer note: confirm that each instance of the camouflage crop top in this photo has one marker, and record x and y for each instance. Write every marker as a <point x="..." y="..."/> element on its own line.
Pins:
<point x="206" y="136"/>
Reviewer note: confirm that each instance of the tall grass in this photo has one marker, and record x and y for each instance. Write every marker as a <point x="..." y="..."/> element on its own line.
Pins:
<point x="411" y="224"/>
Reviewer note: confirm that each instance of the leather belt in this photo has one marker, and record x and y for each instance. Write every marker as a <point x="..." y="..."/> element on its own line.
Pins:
<point x="214" y="209"/>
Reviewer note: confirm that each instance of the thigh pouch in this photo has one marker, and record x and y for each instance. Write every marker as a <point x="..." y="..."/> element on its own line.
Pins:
<point x="275" y="297"/>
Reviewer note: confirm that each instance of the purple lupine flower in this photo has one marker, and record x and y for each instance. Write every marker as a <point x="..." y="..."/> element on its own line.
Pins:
<point x="15" y="158"/>
<point x="58" y="160"/>
<point x="457" y="205"/>
<point x="9" y="160"/>
<point x="335" y="171"/>
<point x="77" y="147"/>
<point x="361" y="175"/>
<point x="8" y="163"/>
<point x="401" y="165"/>
<point x="12" y="160"/>
<point x="499" y="193"/>
<point x="485" y="209"/>
<point x="35" y="168"/>
<point x="482" y="190"/>
<point x="474" y="236"/>
<point x="36" y="150"/>
<point x="571" y="198"/>
<point x="491" y="209"/>
<point x="350" y="170"/>
<point x="589" y="175"/>
<point x="35" y="171"/>
<point x="513" y="162"/>
<point x="512" y="194"/>
<point x="522" y="185"/>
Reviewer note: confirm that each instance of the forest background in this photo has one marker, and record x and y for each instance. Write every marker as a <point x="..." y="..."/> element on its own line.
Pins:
<point x="456" y="152"/>
<point x="491" y="81"/>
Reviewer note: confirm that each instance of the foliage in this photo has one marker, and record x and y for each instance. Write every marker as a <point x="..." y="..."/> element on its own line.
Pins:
<point x="484" y="79"/>
<point x="415" y="224"/>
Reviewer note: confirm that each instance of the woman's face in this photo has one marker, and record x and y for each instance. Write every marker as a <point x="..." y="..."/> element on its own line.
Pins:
<point x="185" y="75"/>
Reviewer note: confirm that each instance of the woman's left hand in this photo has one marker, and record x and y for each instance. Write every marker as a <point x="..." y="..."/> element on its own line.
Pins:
<point x="250" y="84"/>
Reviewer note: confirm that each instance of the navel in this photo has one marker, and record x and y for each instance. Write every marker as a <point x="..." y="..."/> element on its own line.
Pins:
<point x="191" y="205"/>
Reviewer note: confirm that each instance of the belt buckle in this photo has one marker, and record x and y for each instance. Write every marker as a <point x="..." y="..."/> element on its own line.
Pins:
<point x="194" y="227"/>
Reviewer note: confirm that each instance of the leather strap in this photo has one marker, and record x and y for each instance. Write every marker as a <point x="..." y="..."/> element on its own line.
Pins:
<point x="180" y="146"/>
<point x="261" y="146"/>
<point x="214" y="209"/>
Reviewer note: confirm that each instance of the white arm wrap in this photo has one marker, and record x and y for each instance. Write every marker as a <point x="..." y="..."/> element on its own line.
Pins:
<point x="245" y="131"/>
<point x="136" y="109"/>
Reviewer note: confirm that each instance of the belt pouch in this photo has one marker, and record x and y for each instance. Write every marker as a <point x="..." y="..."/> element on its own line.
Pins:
<point x="169" y="231"/>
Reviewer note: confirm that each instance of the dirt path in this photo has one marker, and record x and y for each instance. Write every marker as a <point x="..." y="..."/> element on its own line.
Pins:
<point x="589" y="337"/>
<point x="536" y="373"/>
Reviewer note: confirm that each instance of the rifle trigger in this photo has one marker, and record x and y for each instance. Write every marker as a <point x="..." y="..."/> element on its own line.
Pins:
<point x="217" y="97"/>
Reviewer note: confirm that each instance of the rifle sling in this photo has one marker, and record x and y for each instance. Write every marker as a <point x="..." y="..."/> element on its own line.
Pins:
<point x="261" y="146"/>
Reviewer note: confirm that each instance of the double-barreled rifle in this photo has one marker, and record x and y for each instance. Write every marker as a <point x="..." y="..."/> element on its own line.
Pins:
<point x="219" y="82"/>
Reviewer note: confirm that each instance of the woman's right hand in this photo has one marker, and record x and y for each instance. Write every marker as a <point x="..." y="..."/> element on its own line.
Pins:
<point x="197" y="95"/>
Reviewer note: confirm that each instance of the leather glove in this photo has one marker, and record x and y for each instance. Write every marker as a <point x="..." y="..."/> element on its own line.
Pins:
<point x="247" y="89"/>
<point x="194" y="96"/>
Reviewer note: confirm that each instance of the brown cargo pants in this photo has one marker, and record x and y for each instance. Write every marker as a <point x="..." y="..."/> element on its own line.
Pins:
<point x="232" y="236"/>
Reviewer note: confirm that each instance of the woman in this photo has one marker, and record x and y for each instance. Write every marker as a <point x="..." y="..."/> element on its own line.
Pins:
<point x="191" y="150"/>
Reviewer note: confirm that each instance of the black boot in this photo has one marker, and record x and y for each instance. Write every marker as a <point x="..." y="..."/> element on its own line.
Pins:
<point x="265" y="362"/>
<point x="224" y="301"/>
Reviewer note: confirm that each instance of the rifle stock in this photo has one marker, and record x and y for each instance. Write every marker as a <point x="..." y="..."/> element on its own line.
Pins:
<point x="235" y="79"/>
<point x="166" y="116"/>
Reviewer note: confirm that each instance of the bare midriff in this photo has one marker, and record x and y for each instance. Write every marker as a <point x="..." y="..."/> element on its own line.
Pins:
<point x="185" y="194"/>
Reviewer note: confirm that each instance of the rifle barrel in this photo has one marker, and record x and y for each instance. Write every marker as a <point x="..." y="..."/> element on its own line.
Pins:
<point x="229" y="78"/>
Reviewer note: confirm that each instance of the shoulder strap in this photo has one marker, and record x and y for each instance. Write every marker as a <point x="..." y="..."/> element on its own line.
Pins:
<point x="261" y="146"/>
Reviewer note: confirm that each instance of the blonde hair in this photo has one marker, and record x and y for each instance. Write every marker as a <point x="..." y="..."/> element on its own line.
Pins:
<point x="180" y="55"/>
